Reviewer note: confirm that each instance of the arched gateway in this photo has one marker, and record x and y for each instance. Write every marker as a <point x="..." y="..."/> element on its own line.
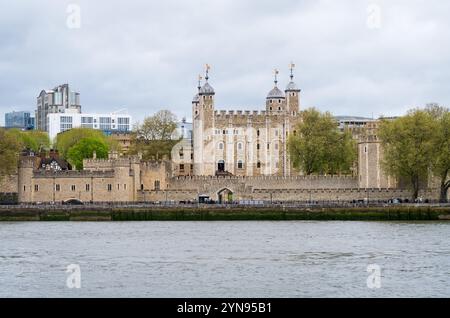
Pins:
<point x="225" y="196"/>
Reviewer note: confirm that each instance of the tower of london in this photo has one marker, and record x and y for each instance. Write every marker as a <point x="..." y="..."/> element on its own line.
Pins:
<point x="242" y="142"/>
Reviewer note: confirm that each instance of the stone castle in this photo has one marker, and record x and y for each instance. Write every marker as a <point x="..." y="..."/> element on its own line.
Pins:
<point x="233" y="156"/>
<point x="244" y="143"/>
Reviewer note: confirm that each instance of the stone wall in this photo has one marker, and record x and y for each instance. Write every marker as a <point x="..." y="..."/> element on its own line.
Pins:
<point x="303" y="195"/>
<point x="9" y="184"/>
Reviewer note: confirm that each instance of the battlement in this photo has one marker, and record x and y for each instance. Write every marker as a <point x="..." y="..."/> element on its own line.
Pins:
<point x="265" y="178"/>
<point x="73" y="174"/>
<point x="247" y="113"/>
<point x="108" y="163"/>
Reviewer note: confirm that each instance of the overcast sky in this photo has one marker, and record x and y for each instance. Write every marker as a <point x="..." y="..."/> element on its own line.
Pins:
<point x="146" y="55"/>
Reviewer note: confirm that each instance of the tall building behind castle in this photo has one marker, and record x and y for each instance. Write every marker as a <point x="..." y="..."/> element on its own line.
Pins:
<point x="58" y="100"/>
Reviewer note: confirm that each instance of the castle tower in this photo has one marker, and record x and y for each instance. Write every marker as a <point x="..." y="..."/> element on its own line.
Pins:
<point x="203" y="126"/>
<point x="25" y="180"/>
<point x="275" y="100"/>
<point x="370" y="170"/>
<point x="292" y="94"/>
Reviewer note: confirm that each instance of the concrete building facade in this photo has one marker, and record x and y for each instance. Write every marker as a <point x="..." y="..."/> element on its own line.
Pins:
<point x="55" y="101"/>
<point x="60" y="122"/>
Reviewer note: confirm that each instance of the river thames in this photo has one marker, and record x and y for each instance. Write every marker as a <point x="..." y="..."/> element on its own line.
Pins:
<point x="225" y="259"/>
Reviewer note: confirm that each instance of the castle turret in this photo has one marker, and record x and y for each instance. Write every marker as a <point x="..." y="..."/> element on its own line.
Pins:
<point x="275" y="100"/>
<point x="203" y="122"/>
<point x="292" y="94"/>
<point x="25" y="180"/>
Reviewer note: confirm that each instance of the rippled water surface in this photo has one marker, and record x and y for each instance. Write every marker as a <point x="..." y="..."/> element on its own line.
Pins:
<point x="225" y="259"/>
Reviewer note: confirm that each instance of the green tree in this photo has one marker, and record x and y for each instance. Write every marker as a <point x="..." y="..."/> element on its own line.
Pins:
<point x="160" y="126"/>
<point x="71" y="137"/>
<point x="408" y="144"/>
<point x="10" y="148"/>
<point x="155" y="137"/>
<point x="84" y="149"/>
<point x="441" y="145"/>
<point x="319" y="147"/>
<point x="31" y="139"/>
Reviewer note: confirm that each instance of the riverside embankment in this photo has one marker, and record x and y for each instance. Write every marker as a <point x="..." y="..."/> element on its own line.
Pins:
<point x="223" y="213"/>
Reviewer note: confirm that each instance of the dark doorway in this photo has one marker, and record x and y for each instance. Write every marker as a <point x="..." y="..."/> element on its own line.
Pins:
<point x="221" y="166"/>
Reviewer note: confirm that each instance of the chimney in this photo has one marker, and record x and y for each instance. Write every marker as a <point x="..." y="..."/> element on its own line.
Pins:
<point x="54" y="154"/>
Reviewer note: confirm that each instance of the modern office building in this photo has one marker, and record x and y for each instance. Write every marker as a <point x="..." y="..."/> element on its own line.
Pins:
<point x="56" y="101"/>
<point x="21" y="120"/>
<point x="106" y="122"/>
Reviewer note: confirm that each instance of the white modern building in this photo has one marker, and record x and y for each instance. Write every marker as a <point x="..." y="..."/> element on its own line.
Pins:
<point x="106" y="122"/>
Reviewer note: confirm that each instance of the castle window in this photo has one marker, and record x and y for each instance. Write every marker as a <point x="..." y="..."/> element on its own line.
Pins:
<point x="257" y="146"/>
<point x="109" y="187"/>
<point x="57" y="187"/>
<point x="268" y="146"/>
<point x="276" y="146"/>
<point x="192" y="156"/>
<point x="118" y="186"/>
<point x="142" y="187"/>
<point x="157" y="185"/>
<point x="181" y="168"/>
<point x="271" y="101"/>
<point x="257" y="133"/>
<point x="279" y="101"/>
<point x="181" y="153"/>
<point x="239" y="146"/>
<point x="124" y="186"/>
<point x="270" y="108"/>
<point x="279" y="108"/>
<point x="24" y="188"/>
<point x="258" y="165"/>
<point x="240" y="164"/>
<point x="72" y="187"/>
<point x="224" y="132"/>
<point x="36" y="188"/>
<point x="88" y="187"/>
<point x="220" y="145"/>
<point x="365" y="149"/>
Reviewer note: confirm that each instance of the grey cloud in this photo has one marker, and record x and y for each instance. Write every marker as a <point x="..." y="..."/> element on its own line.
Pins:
<point x="146" y="55"/>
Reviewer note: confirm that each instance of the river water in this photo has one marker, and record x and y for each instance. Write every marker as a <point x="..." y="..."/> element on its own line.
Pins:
<point x="225" y="259"/>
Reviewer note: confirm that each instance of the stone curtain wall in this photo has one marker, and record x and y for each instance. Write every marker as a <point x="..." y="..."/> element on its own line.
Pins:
<point x="305" y="195"/>
<point x="315" y="188"/>
<point x="8" y="184"/>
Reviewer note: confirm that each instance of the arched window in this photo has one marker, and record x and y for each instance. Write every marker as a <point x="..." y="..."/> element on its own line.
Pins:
<point x="258" y="165"/>
<point x="239" y="145"/>
<point x="220" y="145"/>
<point x="240" y="164"/>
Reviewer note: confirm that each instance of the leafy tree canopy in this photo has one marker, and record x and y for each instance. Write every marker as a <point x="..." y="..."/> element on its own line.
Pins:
<point x="85" y="149"/>
<point x="155" y="137"/>
<point x="408" y="144"/>
<point x="10" y="147"/>
<point x="31" y="139"/>
<point x="317" y="146"/>
<point x="69" y="138"/>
